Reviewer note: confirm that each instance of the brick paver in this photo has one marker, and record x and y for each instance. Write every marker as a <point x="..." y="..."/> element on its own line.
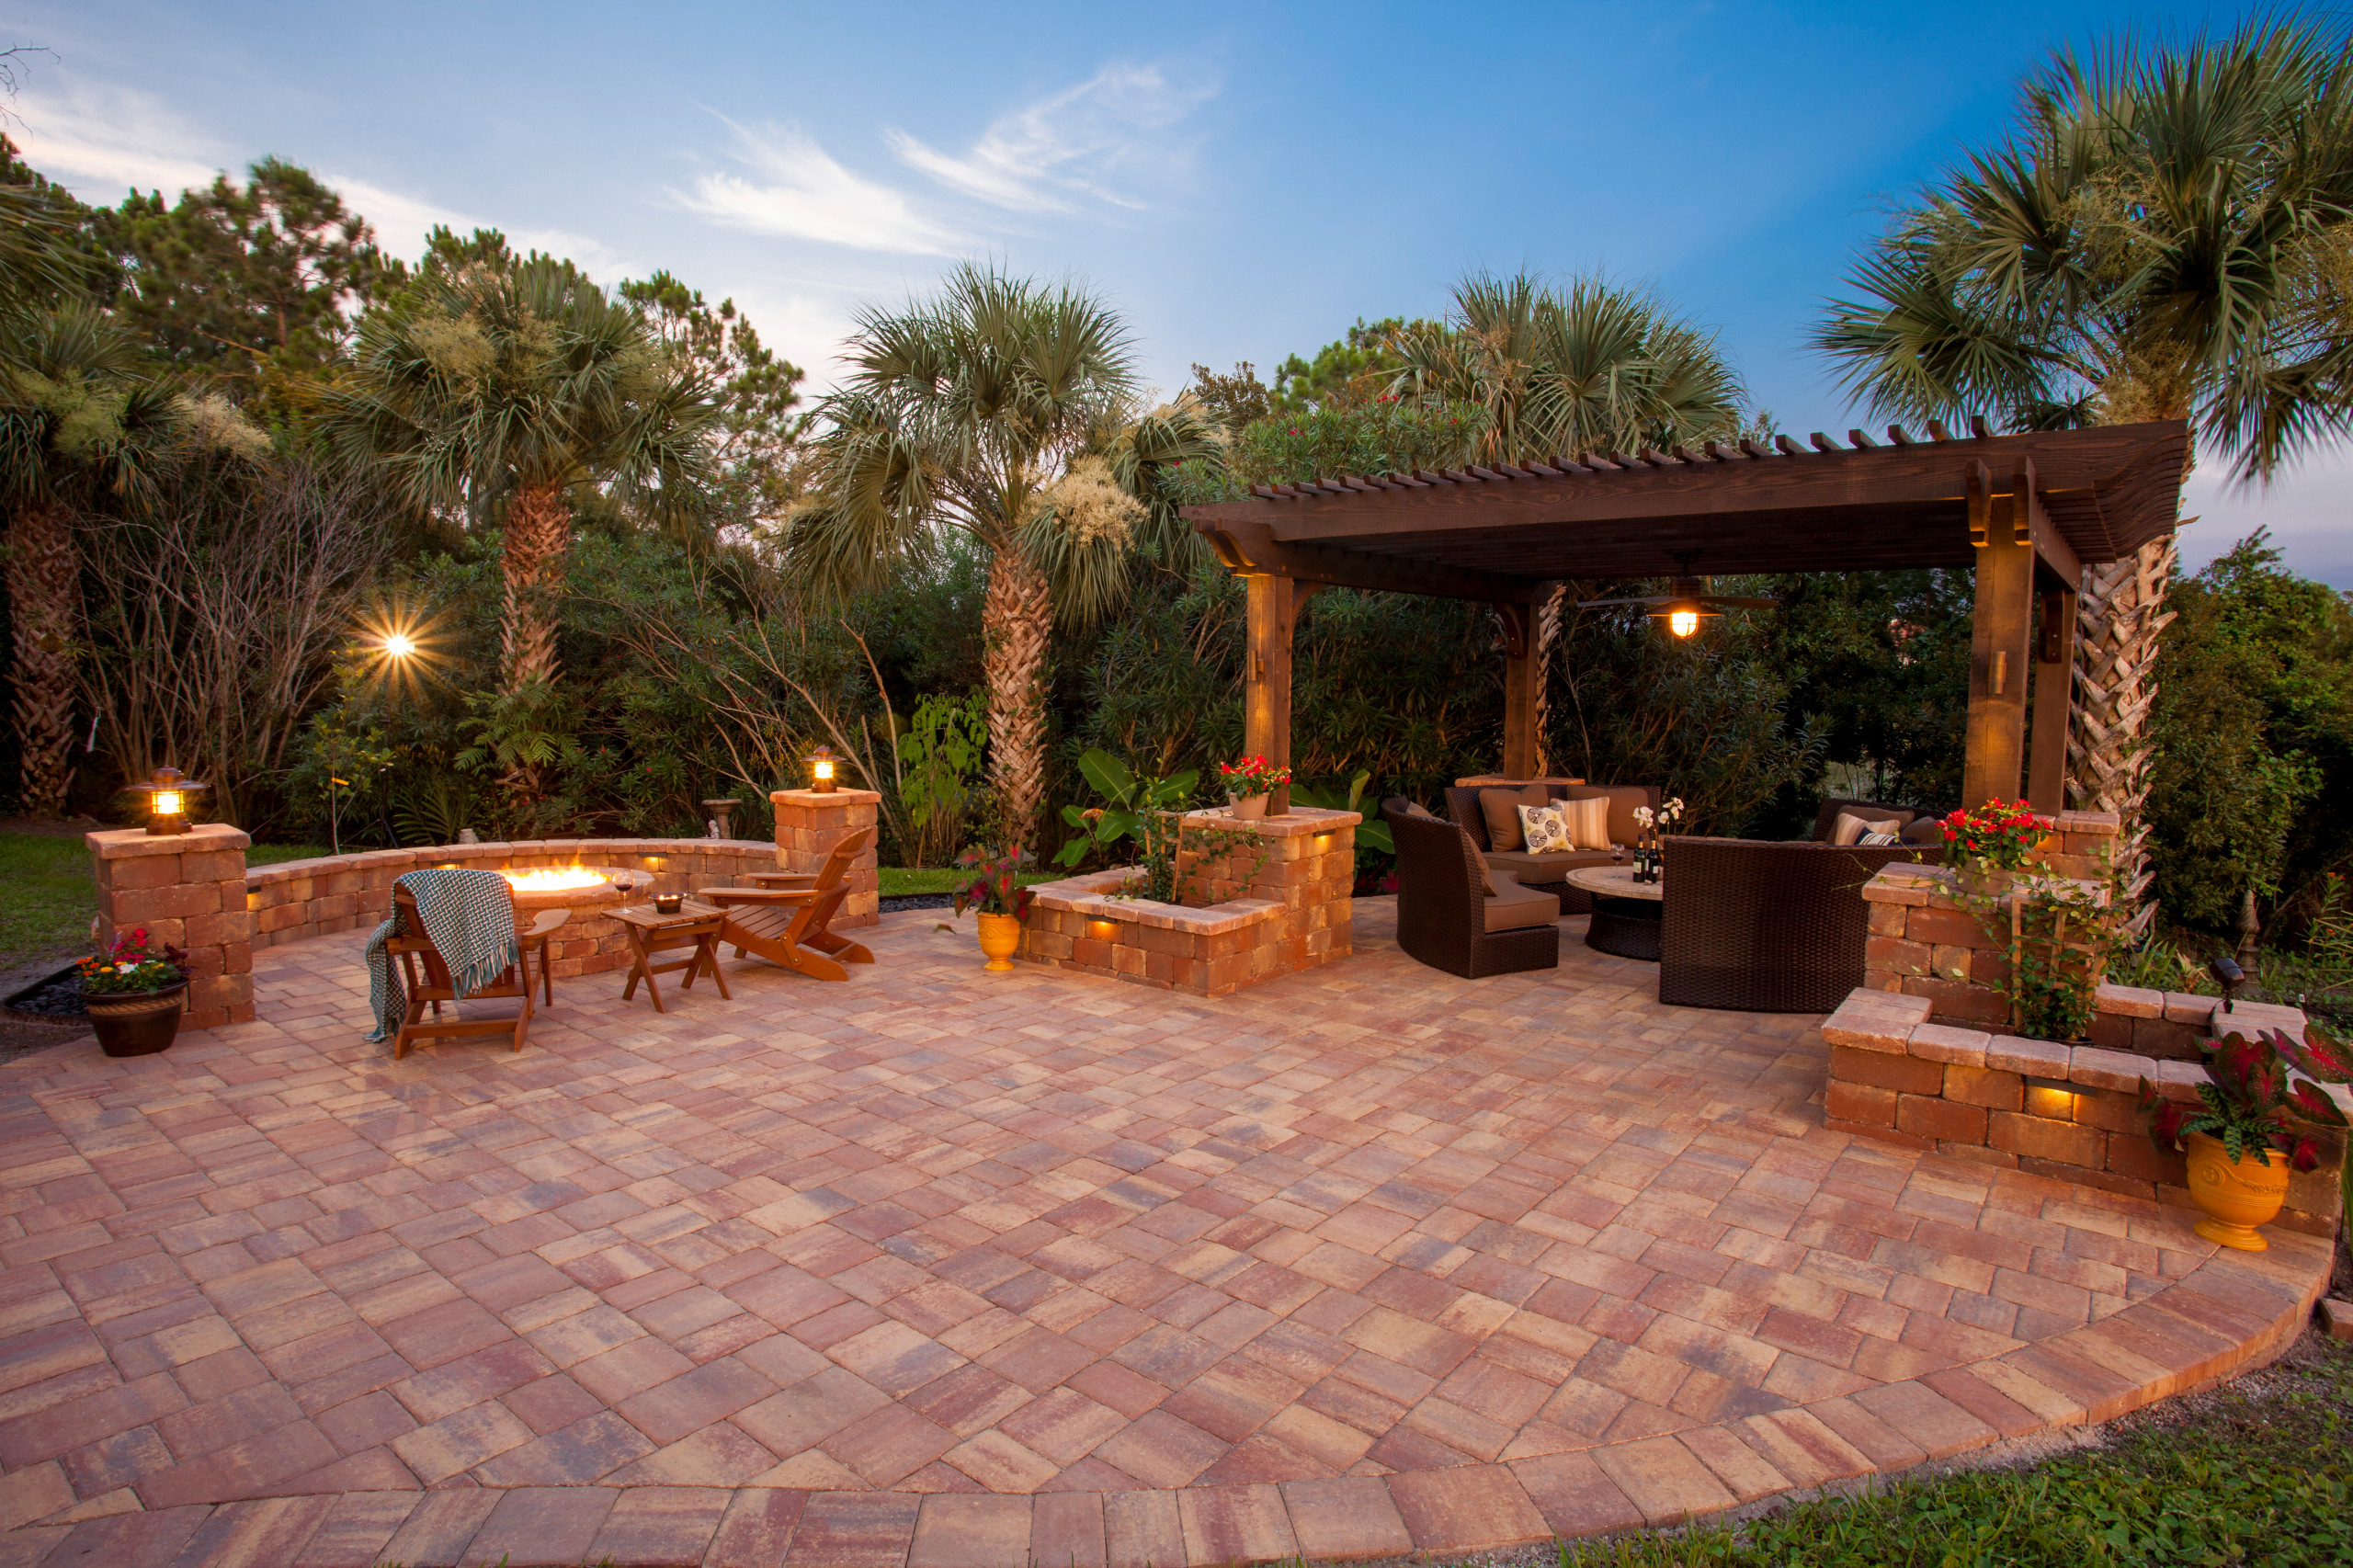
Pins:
<point x="947" y="1268"/>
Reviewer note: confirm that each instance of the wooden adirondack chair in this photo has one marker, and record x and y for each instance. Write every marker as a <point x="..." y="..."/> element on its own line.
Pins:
<point x="415" y="952"/>
<point x="786" y="920"/>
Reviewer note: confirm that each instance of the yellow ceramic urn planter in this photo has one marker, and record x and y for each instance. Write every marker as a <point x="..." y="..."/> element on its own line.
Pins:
<point x="1001" y="933"/>
<point x="2235" y="1197"/>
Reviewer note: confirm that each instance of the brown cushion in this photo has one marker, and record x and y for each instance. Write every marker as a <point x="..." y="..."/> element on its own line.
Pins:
<point x="1501" y="808"/>
<point x="1416" y="809"/>
<point x="1515" y="908"/>
<point x="1924" y="830"/>
<point x="1622" y="798"/>
<point x="1486" y="872"/>
<point x="1850" y="828"/>
<point x="1537" y="871"/>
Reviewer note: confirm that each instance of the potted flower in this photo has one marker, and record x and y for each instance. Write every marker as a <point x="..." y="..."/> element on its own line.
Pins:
<point x="1988" y="846"/>
<point x="2250" y="1127"/>
<point x="1650" y="837"/>
<point x="134" y="995"/>
<point x="996" y="892"/>
<point x="1246" y="784"/>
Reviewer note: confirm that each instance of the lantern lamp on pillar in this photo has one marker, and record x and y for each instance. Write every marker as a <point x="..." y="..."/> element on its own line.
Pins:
<point x="168" y="792"/>
<point x="822" y="767"/>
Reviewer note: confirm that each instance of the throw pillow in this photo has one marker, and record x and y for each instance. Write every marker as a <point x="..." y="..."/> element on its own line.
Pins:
<point x="1543" y="830"/>
<point x="1879" y="841"/>
<point x="1587" y="821"/>
<point x="1851" y="828"/>
<point x="1486" y="872"/>
<point x="1501" y="808"/>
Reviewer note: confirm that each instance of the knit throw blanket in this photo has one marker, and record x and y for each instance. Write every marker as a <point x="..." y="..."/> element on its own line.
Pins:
<point x="469" y="916"/>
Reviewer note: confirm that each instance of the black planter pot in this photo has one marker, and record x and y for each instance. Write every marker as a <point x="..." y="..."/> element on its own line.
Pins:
<point x="136" y="1023"/>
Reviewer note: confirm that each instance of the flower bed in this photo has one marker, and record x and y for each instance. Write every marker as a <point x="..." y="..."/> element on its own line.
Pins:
<point x="1293" y="913"/>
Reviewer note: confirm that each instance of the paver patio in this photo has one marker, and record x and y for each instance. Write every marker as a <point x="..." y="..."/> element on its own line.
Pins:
<point x="940" y="1267"/>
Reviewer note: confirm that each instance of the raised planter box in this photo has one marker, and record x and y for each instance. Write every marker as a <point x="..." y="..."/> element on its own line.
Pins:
<point x="1294" y="913"/>
<point x="1922" y="1053"/>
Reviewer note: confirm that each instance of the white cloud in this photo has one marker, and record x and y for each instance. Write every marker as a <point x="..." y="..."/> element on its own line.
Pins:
<point x="100" y="143"/>
<point x="797" y="189"/>
<point x="1074" y="143"/>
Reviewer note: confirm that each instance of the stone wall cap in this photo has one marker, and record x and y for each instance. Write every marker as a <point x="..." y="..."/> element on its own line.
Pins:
<point x="2098" y="1068"/>
<point x="830" y="798"/>
<point x="131" y="842"/>
<point x="2107" y="822"/>
<point x="1298" y="823"/>
<point x="2035" y="1058"/>
<point x="1941" y="1042"/>
<point x="1876" y="1020"/>
<point x="2131" y="1001"/>
<point x="1090" y="895"/>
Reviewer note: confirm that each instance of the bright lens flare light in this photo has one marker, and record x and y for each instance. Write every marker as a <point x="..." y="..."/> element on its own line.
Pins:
<point x="1683" y="623"/>
<point x="399" y="645"/>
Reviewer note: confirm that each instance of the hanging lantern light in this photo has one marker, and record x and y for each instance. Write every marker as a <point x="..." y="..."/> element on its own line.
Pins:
<point x="821" y="770"/>
<point x="168" y="791"/>
<point x="1684" y="609"/>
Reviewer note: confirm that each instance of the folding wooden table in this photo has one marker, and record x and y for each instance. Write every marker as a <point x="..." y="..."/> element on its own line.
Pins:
<point x="651" y="932"/>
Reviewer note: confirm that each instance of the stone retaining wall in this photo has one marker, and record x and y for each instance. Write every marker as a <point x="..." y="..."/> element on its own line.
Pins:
<point x="1293" y="913"/>
<point x="2068" y="1111"/>
<point x="296" y="899"/>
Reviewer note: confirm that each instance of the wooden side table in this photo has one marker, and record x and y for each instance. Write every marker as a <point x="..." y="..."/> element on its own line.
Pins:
<point x="650" y="932"/>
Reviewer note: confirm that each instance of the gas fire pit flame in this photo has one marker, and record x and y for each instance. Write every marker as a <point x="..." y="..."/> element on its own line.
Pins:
<point x="554" y="879"/>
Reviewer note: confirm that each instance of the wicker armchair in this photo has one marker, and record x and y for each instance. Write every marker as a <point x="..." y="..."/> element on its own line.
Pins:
<point x="1767" y="927"/>
<point x="1444" y="918"/>
<point x="1546" y="871"/>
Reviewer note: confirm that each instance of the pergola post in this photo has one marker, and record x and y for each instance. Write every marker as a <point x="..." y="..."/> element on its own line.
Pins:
<point x="1265" y="681"/>
<point x="2054" y="691"/>
<point x="1523" y="668"/>
<point x="2001" y="529"/>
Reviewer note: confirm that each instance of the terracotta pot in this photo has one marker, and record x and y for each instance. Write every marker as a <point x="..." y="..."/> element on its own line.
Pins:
<point x="137" y="1023"/>
<point x="2235" y="1197"/>
<point x="1248" y="808"/>
<point x="1000" y="934"/>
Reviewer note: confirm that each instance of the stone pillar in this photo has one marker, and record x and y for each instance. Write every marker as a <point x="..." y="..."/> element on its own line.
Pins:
<point x="809" y="824"/>
<point x="188" y="889"/>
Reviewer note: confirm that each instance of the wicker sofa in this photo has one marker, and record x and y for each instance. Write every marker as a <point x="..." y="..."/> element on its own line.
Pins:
<point x="1767" y="927"/>
<point x="1919" y="827"/>
<point x="1546" y="871"/>
<point x="1446" y="919"/>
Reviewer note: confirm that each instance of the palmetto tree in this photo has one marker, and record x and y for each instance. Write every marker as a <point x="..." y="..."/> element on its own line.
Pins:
<point x="1599" y="369"/>
<point x="1003" y="409"/>
<point x="79" y="426"/>
<point x="2164" y="236"/>
<point x="497" y="387"/>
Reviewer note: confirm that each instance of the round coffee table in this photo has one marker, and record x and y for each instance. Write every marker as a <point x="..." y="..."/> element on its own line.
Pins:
<point x="1625" y="911"/>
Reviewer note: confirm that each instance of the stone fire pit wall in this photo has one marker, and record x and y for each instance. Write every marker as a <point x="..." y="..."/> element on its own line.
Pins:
<point x="1921" y="1054"/>
<point x="295" y="899"/>
<point x="1295" y="913"/>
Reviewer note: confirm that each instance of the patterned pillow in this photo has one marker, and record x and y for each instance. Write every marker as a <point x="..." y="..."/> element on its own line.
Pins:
<point x="1544" y="829"/>
<point x="1880" y="840"/>
<point x="1588" y="822"/>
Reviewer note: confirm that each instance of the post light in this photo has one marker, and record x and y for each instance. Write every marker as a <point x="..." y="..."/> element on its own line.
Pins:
<point x="167" y="791"/>
<point x="821" y="770"/>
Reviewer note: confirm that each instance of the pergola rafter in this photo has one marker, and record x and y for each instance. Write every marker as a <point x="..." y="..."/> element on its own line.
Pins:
<point x="2027" y="512"/>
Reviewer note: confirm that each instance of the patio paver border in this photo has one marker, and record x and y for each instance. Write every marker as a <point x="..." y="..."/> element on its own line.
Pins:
<point x="2234" y="1311"/>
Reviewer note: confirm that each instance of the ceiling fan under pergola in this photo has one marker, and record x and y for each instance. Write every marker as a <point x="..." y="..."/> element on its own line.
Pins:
<point x="1687" y="603"/>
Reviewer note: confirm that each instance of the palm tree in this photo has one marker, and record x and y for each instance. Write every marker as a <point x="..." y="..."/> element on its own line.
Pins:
<point x="1002" y="409"/>
<point x="79" y="426"/>
<point x="2163" y="236"/>
<point x="497" y="387"/>
<point x="1599" y="368"/>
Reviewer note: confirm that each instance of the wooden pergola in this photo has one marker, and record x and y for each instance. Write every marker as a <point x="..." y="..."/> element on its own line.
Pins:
<point x="2027" y="512"/>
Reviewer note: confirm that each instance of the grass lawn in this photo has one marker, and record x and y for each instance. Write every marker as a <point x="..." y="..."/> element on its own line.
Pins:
<point x="47" y="896"/>
<point x="2254" y="1472"/>
<point x="898" y="879"/>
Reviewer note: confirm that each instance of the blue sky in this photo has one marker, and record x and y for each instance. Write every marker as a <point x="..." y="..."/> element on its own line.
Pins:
<point x="1243" y="181"/>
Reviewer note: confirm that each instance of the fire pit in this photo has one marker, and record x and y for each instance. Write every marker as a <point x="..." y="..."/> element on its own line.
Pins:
<point x="590" y="940"/>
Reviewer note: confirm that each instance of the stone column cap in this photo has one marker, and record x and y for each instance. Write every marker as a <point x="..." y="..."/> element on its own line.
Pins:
<point x="129" y="843"/>
<point x="831" y="798"/>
